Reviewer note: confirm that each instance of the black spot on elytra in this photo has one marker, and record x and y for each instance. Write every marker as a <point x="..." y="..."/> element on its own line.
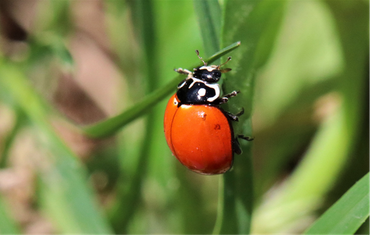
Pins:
<point x="217" y="127"/>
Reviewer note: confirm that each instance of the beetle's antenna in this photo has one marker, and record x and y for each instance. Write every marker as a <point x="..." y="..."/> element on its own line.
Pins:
<point x="228" y="59"/>
<point x="205" y="64"/>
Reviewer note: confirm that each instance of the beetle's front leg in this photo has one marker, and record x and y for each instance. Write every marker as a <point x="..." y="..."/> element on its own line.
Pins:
<point x="234" y="117"/>
<point x="226" y="97"/>
<point x="184" y="71"/>
<point x="232" y="94"/>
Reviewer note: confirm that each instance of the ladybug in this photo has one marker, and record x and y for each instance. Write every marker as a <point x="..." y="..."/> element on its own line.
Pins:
<point x="198" y="132"/>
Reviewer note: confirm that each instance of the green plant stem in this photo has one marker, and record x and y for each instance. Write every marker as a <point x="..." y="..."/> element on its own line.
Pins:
<point x="236" y="196"/>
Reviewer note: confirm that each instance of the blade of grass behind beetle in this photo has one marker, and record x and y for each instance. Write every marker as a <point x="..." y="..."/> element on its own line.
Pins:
<point x="245" y="21"/>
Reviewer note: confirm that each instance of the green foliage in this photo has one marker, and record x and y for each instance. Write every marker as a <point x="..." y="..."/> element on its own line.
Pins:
<point x="64" y="189"/>
<point x="301" y="69"/>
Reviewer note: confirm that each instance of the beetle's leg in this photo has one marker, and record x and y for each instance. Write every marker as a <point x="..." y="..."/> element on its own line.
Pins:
<point x="183" y="71"/>
<point x="236" y="146"/>
<point x="235" y="117"/>
<point x="226" y="97"/>
<point x="232" y="94"/>
<point x="241" y="112"/>
<point x="247" y="138"/>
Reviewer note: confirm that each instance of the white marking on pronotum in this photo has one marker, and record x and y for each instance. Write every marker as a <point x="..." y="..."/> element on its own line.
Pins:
<point x="181" y="85"/>
<point x="202" y="92"/>
<point x="196" y="80"/>
<point x="209" y="68"/>
<point x="215" y="87"/>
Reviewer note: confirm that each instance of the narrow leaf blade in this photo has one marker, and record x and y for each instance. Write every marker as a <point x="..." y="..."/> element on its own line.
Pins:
<point x="247" y="22"/>
<point x="347" y="214"/>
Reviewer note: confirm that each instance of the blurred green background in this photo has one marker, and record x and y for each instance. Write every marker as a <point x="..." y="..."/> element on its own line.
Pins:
<point x="65" y="65"/>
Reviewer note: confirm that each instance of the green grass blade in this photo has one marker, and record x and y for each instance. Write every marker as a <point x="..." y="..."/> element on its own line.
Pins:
<point x="112" y="125"/>
<point x="347" y="214"/>
<point x="209" y="18"/>
<point x="245" y="21"/>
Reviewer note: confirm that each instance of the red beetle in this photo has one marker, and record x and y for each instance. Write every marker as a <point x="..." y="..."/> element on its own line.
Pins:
<point x="198" y="132"/>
